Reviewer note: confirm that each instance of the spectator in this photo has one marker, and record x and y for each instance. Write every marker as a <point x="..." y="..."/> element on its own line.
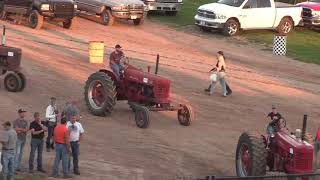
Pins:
<point x="37" y="132"/>
<point x="317" y="148"/>
<point x="61" y="138"/>
<point x="21" y="127"/>
<point x="51" y="117"/>
<point x="221" y="70"/>
<point x="8" y="141"/>
<point x="76" y="135"/>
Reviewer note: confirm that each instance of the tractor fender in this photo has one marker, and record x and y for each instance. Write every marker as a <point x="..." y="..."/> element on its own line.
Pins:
<point x="109" y="73"/>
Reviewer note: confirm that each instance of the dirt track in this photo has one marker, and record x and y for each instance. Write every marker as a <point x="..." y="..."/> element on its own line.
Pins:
<point x="114" y="148"/>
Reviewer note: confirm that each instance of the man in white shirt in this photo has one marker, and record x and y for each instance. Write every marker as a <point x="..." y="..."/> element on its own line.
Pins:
<point x="51" y="122"/>
<point x="76" y="135"/>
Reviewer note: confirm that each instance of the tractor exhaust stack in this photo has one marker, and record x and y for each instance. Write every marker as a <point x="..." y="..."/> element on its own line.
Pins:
<point x="3" y="39"/>
<point x="157" y="64"/>
<point x="304" y="127"/>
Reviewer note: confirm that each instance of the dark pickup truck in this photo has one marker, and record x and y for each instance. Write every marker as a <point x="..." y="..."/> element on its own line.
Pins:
<point x="37" y="10"/>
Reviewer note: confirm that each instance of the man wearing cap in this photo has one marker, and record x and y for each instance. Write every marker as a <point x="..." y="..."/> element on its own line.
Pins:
<point x="115" y="58"/>
<point x="275" y="117"/>
<point x="21" y="127"/>
<point x="76" y="135"/>
<point x="8" y="141"/>
<point x="37" y="134"/>
<point x="51" y="118"/>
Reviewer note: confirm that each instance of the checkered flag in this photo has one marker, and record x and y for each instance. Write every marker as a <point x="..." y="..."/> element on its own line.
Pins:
<point x="279" y="45"/>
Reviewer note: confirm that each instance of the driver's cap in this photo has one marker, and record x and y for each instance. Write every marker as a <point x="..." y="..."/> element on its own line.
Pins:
<point x="118" y="46"/>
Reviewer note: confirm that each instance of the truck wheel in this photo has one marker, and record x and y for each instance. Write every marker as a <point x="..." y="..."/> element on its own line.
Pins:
<point x="23" y="81"/>
<point x="142" y="116"/>
<point x="67" y="24"/>
<point x="100" y="94"/>
<point x="185" y="115"/>
<point x="251" y="156"/>
<point x="138" y="21"/>
<point x="12" y="82"/>
<point x="231" y="28"/>
<point x="35" y="20"/>
<point x="285" y="26"/>
<point x="171" y="13"/>
<point x="107" y="18"/>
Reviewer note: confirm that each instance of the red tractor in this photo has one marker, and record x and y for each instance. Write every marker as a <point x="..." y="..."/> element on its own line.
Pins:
<point x="10" y="59"/>
<point x="285" y="152"/>
<point x="144" y="92"/>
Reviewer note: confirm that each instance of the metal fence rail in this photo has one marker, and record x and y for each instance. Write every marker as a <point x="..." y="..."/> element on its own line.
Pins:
<point x="310" y="176"/>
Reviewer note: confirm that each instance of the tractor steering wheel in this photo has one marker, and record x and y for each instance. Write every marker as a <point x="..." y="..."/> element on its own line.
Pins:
<point x="124" y="61"/>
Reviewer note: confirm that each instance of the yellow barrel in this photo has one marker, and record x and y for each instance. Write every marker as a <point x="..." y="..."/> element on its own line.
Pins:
<point x="96" y="52"/>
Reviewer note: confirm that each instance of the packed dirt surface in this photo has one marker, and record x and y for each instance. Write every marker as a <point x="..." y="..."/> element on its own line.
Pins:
<point x="55" y="61"/>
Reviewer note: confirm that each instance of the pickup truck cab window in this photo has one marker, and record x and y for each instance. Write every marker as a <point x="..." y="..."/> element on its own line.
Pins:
<point x="257" y="4"/>
<point x="234" y="3"/>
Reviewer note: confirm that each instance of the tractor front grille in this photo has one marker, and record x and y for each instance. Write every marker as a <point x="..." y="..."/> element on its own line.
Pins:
<point x="303" y="161"/>
<point x="206" y="14"/>
<point x="161" y="92"/>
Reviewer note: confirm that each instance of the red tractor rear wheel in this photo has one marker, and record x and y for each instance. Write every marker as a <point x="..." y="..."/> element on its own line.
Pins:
<point x="100" y="94"/>
<point x="251" y="156"/>
<point x="185" y="115"/>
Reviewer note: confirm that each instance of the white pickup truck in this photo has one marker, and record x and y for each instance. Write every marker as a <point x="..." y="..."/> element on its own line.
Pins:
<point x="233" y="15"/>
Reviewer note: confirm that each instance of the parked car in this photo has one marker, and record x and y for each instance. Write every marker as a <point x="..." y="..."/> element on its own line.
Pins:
<point x="109" y="10"/>
<point x="311" y="12"/>
<point x="233" y="15"/>
<point x="37" y="10"/>
<point x="171" y="7"/>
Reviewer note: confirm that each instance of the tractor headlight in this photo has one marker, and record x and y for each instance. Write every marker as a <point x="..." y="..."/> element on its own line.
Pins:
<point x="315" y="13"/>
<point x="180" y="1"/>
<point x="45" y="7"/>
<point x="75" y="6"/>
<point x="221" y="16"/>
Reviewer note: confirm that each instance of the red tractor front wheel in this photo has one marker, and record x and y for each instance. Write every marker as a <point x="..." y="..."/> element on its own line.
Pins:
<point x="251" y="156"/>
<point x="185" y="115"/>
<point x="142" y="116"/>
<point x="13" y="82"/>
<point x="100" y="94"/>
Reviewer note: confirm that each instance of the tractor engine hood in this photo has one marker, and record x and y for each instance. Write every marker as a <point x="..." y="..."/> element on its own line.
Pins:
<point x="287" y="141"/>
<point x="137" y="75"/>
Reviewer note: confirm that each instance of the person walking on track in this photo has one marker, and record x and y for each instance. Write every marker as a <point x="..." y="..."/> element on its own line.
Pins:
<point x="51" y="121"/>
<point x="76" y="135"/>
<point x="8" y="141"/>
<point x="21" y="127"/>
<point x="37" y="133"/>
<point x="61" y="138"/>
<point x="220" y="68"/>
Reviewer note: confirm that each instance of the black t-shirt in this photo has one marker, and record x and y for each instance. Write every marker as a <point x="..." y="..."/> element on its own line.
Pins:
<point x="275" y="117"/>
<point x="37" y="127"/>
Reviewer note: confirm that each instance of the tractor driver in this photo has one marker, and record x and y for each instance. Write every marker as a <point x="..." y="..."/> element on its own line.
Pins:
<point x="275" y="119"/>
<point x="115" y="61"/>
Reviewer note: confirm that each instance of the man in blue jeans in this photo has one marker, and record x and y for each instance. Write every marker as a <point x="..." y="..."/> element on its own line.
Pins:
<point x="76" y="135"/>
<point x="21" y="127"/>
<point x="37" y="132"/>
<point x="8" y="141"/>
<point x="61" y="138"/>
<point x="115" y="58"/>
